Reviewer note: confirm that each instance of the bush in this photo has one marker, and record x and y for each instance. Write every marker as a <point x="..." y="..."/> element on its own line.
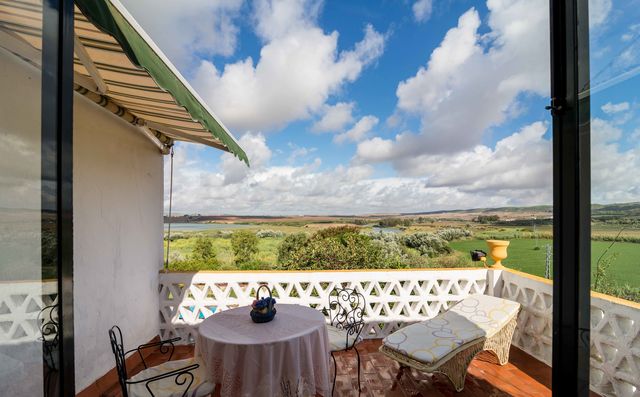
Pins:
<point x="486" y="218"/>
<point x="175" y="236"/>
<point x="180" y="264"/>
<point x="244" y="245"/>
<point x="289" y="246"/>
<point x="394" y="253"/>
<point x="347" y="251"/>
<point x="269" y="233"/>
<point x="428" y="244"/>
<point x="336" y="231"/>
<point x="203" y="251"/>
<point x="394" y="222"/>
<point x="451" y="234"/>
<point x="340" y="247"/>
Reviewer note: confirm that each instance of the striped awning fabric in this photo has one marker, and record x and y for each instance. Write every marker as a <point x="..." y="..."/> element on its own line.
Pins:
<point x="118" y="66"/>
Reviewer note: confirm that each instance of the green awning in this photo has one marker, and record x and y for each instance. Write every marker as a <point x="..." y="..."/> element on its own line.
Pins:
<point x="127" y="86"/>
<point x="118" y="66"/>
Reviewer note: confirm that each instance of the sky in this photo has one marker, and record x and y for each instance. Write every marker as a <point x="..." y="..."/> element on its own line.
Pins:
<point x="381" y="106"/>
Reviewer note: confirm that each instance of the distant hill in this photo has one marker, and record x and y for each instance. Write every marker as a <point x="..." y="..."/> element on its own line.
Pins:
<point x="535" y="208"/>
<point x="600" y="212"/>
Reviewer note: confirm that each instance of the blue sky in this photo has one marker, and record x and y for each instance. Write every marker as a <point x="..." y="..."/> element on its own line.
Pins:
<point x="351" y="107"/>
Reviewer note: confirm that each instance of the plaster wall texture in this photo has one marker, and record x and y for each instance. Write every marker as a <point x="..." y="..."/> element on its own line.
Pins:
<point x="118" y="230"/>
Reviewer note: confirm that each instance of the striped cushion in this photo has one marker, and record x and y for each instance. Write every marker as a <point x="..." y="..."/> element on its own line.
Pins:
<point x="167" y="387"/>
<point x="473" y="319"/>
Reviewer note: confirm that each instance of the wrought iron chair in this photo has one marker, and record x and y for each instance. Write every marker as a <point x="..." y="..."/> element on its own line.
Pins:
<point x="180" y="378"/>
<point x="346" y="309"/>
<point x="49" y="336"/>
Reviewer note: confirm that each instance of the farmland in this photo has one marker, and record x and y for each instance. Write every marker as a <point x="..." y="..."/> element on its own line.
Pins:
<point x="404" y="241"/>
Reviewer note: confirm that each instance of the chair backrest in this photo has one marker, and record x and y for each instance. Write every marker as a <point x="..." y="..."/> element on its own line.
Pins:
<point x="49" y="335"/>
<point x="115" y="336"/>
<point x="346" y="310"/>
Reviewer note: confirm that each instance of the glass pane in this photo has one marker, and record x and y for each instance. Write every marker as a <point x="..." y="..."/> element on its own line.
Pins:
<point x="614" y="95"/>
<point x="28" y="286"/>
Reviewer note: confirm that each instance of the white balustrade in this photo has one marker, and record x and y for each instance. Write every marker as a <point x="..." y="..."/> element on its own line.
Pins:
<point x="393" y="298"/>
<point x="534" y="331"/>
<point x="20" y="304"/>
<point x="615" y="333"/>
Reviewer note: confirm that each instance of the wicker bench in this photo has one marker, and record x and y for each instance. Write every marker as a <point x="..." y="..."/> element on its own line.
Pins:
<point x="448" y="342"/>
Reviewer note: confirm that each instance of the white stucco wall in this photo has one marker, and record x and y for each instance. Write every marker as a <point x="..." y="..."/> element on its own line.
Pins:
<point x="118" y="227"/>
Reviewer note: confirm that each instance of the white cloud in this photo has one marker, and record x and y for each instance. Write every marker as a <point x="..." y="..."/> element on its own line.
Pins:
<point x="259" y="154"/>
<point x="520" y="161"/>
<point x="422" y="10"/>
<point x="299" y="152"/>
<point x="611" y="165"/>
<point x="335" y="117"/>
<point x="472" y="82"/>
<point x="598" y="12"/>
<point x="299" y="68"/>
<point x="305" y="189"/>
<point x="475" y="179"/>
<point x="359" y="131"/>
<point x="186" y="31"/>
<point x="517" y="171"/>
<point x="610" y="108"/>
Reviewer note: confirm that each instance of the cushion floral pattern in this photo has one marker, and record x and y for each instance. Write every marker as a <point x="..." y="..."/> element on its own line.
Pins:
<point x="474" y="318"/>
<point x="338" y="339"/>
<point x="167" y="386"/>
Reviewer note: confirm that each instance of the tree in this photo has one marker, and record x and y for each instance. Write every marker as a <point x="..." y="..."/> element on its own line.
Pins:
<point x="203" y="251"/>
<point x="244" y="245"/>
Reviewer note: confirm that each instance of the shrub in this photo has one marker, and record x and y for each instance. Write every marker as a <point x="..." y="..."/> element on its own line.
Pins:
<point x="347" y="251"/>
<point x="203" y="250"/>
<point x="486" y="218"/>
<point x="244" y="245"/>
<point x="269" y="233"/>
<point x="335" y="248"/>
<point x="175" y="236"/>
<point x="289" y="246"/>
<point x="451" y="234"/>
<point x="394" y="222"/>
<point x="336" y="231"/>
<point x="394" y="253"/>
<point x="428" y="244"/>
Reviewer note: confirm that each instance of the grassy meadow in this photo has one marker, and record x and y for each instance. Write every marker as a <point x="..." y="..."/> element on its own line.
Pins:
<point x="524" y="256"/>
<point x="527" y="251"/>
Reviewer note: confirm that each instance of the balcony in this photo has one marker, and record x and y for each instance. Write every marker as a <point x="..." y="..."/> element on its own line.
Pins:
<point x="397" y="298"/>
<point x="394" y="299"/>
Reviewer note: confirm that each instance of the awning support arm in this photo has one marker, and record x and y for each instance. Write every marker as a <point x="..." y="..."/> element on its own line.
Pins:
<point x="84" y="57"/>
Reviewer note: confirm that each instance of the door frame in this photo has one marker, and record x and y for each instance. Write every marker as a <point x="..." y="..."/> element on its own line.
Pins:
<point x="571" y="197"/>
<point x="57" y="171"/>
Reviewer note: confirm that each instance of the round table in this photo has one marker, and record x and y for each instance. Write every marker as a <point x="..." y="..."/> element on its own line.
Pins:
<point x="288" y="356"/>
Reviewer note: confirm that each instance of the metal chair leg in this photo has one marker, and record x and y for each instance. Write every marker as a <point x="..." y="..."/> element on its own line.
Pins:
<point x="358" y="355"/>
<point x="335" y="373"/>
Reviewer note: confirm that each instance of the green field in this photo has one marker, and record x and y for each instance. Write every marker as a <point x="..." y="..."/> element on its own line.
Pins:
<point x="522" y="256"/>
<point x="268" y="250"/>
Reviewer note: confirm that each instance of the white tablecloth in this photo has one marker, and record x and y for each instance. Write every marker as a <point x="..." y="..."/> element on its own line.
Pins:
<point x="288" y="356"/>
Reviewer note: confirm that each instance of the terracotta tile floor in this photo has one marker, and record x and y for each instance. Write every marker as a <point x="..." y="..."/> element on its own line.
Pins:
<point x="523" y="376"/>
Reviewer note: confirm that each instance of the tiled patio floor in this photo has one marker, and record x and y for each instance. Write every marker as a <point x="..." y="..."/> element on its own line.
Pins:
<point x="523" y="376"/>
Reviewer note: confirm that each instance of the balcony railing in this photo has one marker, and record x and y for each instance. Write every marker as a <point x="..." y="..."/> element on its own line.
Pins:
<point x="20" y="305"/>
<point x="396" y="298"/>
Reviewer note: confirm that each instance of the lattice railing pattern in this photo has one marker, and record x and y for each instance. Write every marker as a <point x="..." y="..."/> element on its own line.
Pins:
<point x="615" y="333"/>
<point x="20" y="304"/>
<point x="615" y="347"/>
<point x="393" y="298"/>
<point x="534" y="331"/>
